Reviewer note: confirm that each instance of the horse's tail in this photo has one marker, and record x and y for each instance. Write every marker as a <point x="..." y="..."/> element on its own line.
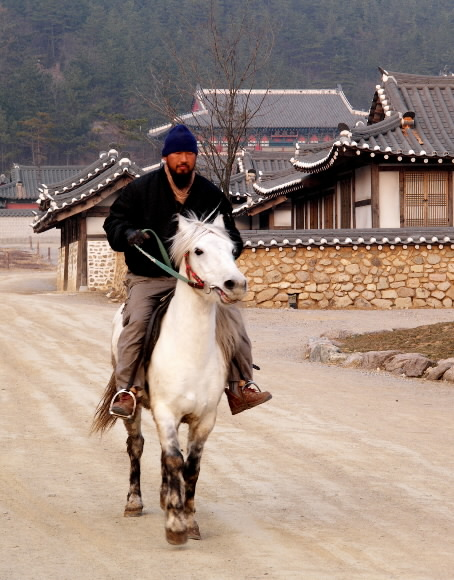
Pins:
<point x="103" y="420"/>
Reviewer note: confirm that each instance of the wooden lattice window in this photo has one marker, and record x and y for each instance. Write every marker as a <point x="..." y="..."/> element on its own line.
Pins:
<point x="328" y="211"/>
<point x="426" y="198"/>
<point x="313" y="215"/>
<point x="300" y="215"/>
<point x="346" y="203"/>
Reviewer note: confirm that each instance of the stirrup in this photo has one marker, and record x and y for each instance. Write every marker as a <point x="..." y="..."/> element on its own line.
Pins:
<point x="251" y="382"/>
<point x="131" y="394"/>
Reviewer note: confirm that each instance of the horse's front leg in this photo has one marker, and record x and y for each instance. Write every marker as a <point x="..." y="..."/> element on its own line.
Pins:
<point x="174" y="489"/>
<point x="197" y="436"/>
<point x="191" y="475"/>
<point x="173" y="486"/>
<point x="134" y="444"/>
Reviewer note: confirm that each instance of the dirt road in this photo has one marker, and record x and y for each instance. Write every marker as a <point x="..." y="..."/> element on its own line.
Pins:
<point x="344" y="475"/>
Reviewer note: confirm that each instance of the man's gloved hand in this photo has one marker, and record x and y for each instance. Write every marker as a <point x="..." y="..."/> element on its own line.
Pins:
<point x="136" y="237"/>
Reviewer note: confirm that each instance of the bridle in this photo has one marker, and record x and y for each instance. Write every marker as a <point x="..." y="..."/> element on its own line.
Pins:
<point x="196" y="283"/>
<point x="199" y="283"/>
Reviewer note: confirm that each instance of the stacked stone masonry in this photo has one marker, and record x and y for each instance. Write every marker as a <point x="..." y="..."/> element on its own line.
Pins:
<point x="72" y="266"/>
<point x="101" y="265"/>
<point x="378" y="277"/>
<point x="361" y="277"/>
<point x="61" y="270"/>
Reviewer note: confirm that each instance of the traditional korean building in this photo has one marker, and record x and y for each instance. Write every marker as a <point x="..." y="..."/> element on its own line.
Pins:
<point x="78" y="208"/>
<point x="284" y="117"/>
<point x="364" y="220"/>
<point x="395" y="171"/>
<point x="19" y="192"/>
<point x="18" y="202"/>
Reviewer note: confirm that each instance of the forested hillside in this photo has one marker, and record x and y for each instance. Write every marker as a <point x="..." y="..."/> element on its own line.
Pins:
<point x="72" y="72"/>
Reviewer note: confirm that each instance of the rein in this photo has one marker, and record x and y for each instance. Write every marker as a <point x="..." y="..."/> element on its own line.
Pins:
<point x="167" y="266"/>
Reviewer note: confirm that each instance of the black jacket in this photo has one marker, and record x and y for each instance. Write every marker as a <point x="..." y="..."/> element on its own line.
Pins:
<point x="149" y="202"/>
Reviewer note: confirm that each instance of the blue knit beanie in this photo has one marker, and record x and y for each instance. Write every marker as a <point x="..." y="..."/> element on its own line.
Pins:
<point x="178" y="140"/>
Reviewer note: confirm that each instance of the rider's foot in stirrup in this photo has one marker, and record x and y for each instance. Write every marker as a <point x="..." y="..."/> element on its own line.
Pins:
<point x="246" y="396"/>
<point x="123" y="404"/>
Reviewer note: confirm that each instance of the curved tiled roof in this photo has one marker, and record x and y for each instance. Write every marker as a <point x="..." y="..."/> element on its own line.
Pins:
<point x="9" y="191"/>
<point x="275" y="109"/>
<point x="257" y="239"/>
<point x="78" y="190"/>
<point x="286" y="180"/>
<point x="17" y="213"/>
<point x="317" y="108"/>
<point x="32" y="176"/>
<point x="411" y="119"/>
<point x="267" y="167"/>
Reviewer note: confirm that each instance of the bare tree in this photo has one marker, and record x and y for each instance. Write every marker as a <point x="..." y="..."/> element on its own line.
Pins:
<point x="229" y="61"/>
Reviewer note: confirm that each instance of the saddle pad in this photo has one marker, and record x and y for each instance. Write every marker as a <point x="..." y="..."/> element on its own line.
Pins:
<point x="154" y="327"/>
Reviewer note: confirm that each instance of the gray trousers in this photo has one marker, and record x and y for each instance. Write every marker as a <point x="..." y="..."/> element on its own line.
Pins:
<point x="144" y="294"/>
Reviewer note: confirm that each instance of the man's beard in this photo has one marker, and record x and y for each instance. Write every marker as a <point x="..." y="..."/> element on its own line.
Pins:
<point x="181" y="180"/>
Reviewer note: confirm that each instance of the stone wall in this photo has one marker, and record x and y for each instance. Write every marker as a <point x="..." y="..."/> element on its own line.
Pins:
<point x="61" y="269"/>
<point x="375" y="276"/>
<point x="380" y="276"/>
<point x="73" y="251"/>
<point x="101" y="265"/>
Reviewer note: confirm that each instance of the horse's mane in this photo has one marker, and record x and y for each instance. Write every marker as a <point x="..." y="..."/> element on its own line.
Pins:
<point x="184" y="239"/>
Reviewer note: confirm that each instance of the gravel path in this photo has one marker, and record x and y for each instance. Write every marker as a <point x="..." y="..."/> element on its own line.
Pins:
<point x="344" y="475"/>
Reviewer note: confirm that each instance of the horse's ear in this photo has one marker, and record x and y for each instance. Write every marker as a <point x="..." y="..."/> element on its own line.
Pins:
<point x="182" y="222"/>
<point x="219" y="221"/>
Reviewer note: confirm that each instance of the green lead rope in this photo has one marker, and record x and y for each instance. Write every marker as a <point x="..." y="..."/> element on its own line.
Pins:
<point x="164" y="253"/>
<point x="167" y="266"/>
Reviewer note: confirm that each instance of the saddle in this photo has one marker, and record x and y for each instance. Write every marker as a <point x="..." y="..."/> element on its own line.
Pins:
<point x="152" y="334"/>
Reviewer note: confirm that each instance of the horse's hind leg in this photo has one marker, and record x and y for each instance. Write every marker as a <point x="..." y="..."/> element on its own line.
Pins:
<point x="134" y="444"/>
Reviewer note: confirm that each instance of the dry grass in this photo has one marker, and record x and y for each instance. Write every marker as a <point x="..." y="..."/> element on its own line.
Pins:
<point x="436" y="341"/>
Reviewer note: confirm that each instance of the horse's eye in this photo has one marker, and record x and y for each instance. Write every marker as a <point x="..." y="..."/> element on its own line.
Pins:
<point x="198" y="252"/>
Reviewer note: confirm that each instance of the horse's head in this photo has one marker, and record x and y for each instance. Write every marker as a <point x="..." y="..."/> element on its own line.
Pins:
<point x="204" y="252"/>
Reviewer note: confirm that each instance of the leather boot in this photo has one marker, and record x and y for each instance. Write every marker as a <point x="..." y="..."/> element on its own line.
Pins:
<point x="246" y="396"/>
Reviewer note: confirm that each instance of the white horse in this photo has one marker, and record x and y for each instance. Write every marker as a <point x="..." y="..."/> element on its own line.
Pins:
<point x="187" y="373"/>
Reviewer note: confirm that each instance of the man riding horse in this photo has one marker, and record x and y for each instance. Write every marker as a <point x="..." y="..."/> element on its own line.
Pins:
<point x="151" y="202"/>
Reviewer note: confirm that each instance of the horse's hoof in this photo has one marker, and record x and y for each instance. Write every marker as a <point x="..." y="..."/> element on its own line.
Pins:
<point x="133" y="513"/>
<point x="194" y="532"/>
<point x="176" y="538"/>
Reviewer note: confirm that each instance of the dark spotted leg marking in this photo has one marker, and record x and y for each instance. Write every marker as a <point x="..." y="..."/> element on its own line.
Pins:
<point x="164" y="485"/>
<point x="134" y="444"/>
<point x="191" y="475"/>
<point x="173" y="483"/>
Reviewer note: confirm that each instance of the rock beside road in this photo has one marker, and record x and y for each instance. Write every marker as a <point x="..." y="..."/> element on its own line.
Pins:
<point x="415" y="365"/>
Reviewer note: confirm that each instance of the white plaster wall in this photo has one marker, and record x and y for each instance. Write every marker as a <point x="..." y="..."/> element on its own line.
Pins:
<point x="283" y="217"/>
<point x="363" y="217"/>
<point x="94" y="226"/>
<point x="362" y="184"/>
<point x="389" y="199"/>
<point x="109" y="200"/>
